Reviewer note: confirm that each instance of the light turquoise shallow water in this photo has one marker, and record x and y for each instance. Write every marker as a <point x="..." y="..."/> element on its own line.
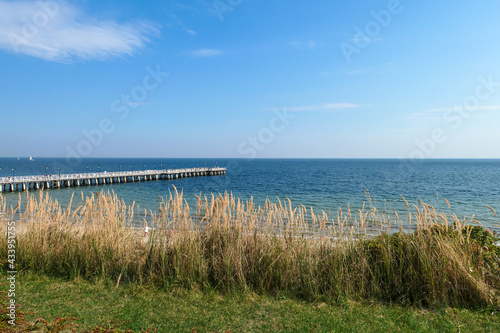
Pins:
<point x="324" y="184"/>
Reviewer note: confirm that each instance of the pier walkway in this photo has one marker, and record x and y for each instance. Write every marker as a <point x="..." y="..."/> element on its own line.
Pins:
<point x="23" y="183"/>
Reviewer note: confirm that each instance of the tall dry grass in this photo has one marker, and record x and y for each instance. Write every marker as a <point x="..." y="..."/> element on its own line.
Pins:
<point x="224" y="243"/>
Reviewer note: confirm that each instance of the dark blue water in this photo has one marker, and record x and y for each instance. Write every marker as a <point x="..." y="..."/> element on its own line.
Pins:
<point x="324" y="184"/>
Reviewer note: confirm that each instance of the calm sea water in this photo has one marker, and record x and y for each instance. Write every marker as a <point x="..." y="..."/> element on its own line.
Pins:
<point x="324" y="184"/>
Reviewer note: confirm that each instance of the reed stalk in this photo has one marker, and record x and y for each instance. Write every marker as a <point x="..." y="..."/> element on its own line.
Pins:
<point x="228" y="244"/>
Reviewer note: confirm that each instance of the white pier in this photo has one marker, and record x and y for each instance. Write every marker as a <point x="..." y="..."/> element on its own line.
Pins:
<point x="23" y="183"/>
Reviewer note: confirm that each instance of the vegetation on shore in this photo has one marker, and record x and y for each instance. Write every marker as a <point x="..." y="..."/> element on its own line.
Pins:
<point x="229" y="246"/>
<point x="225" y="244"/>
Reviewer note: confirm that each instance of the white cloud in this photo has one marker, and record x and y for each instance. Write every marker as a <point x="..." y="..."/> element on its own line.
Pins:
<point x="134" y="104"/>
<point x="191" y="32"/>
<point x="310" y="44"/>
<point x="366" y="40"/>
<point x="206" y="53"/>
<point x="467" y="108"/>
<point x="412" y="129"/>
<point x="438" y="114"/>
<point x="362" y="71"/>
<point x="322" y="107"/>
<point x="58" y="31"/>
<point x="381" y="68"/>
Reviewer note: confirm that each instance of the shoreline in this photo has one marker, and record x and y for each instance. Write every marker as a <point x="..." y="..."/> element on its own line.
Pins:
<point x="482" y="214"/>
<point x="144" y="233"/>
<point x="142" y="219"/>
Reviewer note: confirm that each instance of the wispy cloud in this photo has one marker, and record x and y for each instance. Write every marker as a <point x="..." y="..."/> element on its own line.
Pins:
<point x="365" y="40"/>
<point x="325" y="73"/>
<point x="438" y="114"/>
<point x="134" y="104"/>
<point x="411" y="129"/>
<point x="203" y="53"/>
<point x="191" y="32"/>
<point x="322" y="107"/>
<point x="362" y="71"/>
<point x="425" y="116"/>
<point x="372" y="68"/>
<point x="59" y="31"/>
<point x="461" y="107"/>
<point x="306" y="45"/>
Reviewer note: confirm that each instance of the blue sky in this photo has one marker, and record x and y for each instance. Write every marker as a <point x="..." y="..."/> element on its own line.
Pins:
<point x="250" y="79"/>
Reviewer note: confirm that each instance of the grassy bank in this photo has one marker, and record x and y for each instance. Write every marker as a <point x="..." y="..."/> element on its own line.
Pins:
<point x="226" y="245"/>
<point x="139" y="308"/>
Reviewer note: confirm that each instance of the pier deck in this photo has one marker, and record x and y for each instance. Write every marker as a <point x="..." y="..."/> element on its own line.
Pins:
<point x="23" y="183"/>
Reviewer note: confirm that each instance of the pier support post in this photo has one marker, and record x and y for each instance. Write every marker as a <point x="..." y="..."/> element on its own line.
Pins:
<point x="53" y="181"/>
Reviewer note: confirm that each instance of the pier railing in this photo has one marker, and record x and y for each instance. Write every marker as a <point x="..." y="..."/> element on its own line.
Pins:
<point x="99" y="178"/>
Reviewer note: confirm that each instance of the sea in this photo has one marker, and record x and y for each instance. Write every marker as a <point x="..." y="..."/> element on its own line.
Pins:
<point x="469" y="185"/>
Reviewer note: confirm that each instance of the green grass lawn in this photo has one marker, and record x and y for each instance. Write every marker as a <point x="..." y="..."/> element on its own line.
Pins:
<point x="138" y="308"/>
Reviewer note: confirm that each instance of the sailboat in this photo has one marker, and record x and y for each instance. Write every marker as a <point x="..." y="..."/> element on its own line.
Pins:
<point x="31" y="158"/>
